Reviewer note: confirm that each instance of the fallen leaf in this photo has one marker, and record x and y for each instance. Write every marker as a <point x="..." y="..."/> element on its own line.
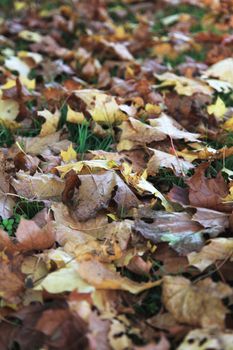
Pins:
<point x="183" y="85"/>
<point x="171" y="128"/>
<point x="222" y="70"/>
<point x="207" y="192"/>
<point x="68" y="155"/>
<point x="218" y="108"/>
<point x="103" y="277"/>
<point x="51" y="122"/>
<point x="204" y="339"/>
<point x="102" y="188"/>
<point x="216" y="249"/>
<point x="39" y="186"/>
<point x="207" y="311"/>
<point x="162" y="159"/>
<point x="183" y="234"/>
<point x="31" y="237"/>
<point x="16" y="64"/>
<point x="103" y="108"/>
<point x="9" y="110"/>
<point x="75" y="117"/>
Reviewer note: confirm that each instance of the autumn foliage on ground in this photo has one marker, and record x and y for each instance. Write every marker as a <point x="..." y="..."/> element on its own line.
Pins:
<point x="116" y="175"/>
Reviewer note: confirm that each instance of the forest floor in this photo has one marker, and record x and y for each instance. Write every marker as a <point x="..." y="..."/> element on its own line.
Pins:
<point x="116" y="177"/>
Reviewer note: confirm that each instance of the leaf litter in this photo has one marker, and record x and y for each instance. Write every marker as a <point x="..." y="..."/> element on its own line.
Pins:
<point x="116" y="153"/>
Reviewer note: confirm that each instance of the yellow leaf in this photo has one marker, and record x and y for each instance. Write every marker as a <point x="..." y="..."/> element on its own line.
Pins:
<point x="103" y="108"/>
<point x="20" y="5"/>
<point x="228" y="125"/>
<point x="50" y="125"/>
<point x="68" y="155"/>
<point x="75" y="117"/>
<point x="93" y="164"/>
<point x="229" y="197"/>
<point x="183" y="85"/>
<point x="150" y="108"/>
<point x="9" y="110"/>
<point x="218" y="108"/>
<point x="30" y="36"/>
<point x="29" y="83"/>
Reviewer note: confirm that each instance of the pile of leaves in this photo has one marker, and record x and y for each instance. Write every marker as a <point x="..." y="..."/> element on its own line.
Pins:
<point x="116" y="176"/>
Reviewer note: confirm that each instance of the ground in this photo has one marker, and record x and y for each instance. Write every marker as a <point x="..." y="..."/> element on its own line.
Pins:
<point x="116" y="152"/>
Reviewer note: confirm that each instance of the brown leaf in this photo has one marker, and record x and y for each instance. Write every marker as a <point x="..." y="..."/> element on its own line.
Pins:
<point x="205" y="192"/>
<point x="166" y="160"/>
<point x="217" y="249"/>
<point x="176" y="228"/>
<point x="39" y="186"/>
<point x="101" y="188"/>
<point x="32" y="237"/>
<point x="215" y="220"/>
<point x="102" y="277"/>
<point x="12" y="284"/>
<point x="197" y="304"/>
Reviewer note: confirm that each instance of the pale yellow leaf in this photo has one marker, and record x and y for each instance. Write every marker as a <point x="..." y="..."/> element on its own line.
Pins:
<point x="75" y="117"/>
<point x="218" y="108"/>
<point x="30" y="36"/>
<point x="51" y="123"/>
<point x="217" y="249"/>
<point x="68" y="155"/>
<point x="103" y="108"/>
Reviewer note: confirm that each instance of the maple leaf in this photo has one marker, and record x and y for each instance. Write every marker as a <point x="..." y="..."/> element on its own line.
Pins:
<point x="217" y="249"/>
<point x="50" y="125"/>
<point x="207" y="193"/>
<point x="102" y="107"/>
<point x="102" y="188"/>
<point x="68" y="155"/>
<point x="163" y="159"/>
<point x="207" y="310"/>
<point x="218" y="108"/>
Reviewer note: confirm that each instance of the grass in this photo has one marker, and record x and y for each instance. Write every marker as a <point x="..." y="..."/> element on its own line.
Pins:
<point x="85" y="140"/>
<point x="166" y="177"/>
<point x="6" y="136"/>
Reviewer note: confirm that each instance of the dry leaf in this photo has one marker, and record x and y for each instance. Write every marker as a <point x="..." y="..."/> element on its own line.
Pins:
<point x="162" y="159"/>
<point x="39" y="186"/>
<point x="207" y="311"/>
<point x="217" y="249"/>
<point x="203" y="339"/>
<point x="51" y="123"/>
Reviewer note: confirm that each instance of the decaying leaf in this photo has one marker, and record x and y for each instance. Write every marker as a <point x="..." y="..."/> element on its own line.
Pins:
<point x="217" y="249"/>
<point x="178" y="229"/>
<point x="39" y="186"/>
<point x="207" y="311"/>
<point x="203" y="339"/>
<point x="102" y="188"/>
<point x="206" y="192"/>
<point x="166" y="160"/>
